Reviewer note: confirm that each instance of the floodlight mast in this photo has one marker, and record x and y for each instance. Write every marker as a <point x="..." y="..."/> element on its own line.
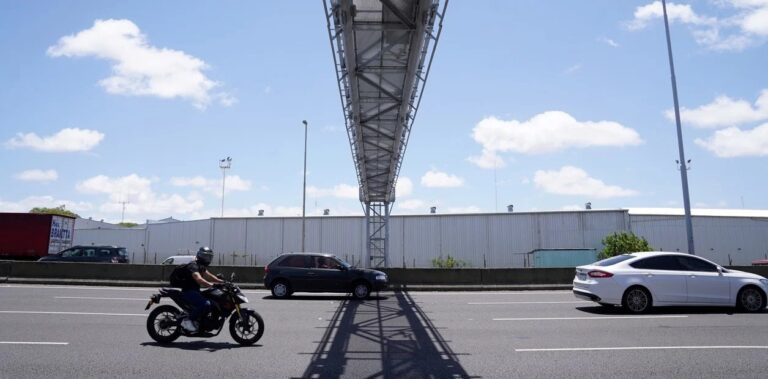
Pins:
<point x="683" y="162"/>
<point x="224" y="165"/>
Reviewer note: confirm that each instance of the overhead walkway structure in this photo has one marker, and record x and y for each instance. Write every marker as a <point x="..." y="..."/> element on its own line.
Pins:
<point x="382" y="52"/>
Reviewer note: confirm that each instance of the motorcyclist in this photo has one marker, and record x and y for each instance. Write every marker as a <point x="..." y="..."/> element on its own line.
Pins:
<point x="197" y="275"/>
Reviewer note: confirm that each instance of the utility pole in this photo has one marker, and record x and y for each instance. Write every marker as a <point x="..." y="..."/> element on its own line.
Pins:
<point x="304" y="192"/>
<point x="122" y="217"/>
<point x="683" y="162"/>
<point x="224" y="165"/>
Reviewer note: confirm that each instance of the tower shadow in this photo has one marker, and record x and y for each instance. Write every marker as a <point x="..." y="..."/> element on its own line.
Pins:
<point x="383" y="338"/>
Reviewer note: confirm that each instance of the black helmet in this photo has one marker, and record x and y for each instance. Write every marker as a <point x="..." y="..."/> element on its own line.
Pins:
<point x="205" y="256"/>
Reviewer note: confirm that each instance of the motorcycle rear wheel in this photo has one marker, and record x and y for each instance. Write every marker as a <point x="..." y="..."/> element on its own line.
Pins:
<point x="248" y="332"/>
<point x="163" y="324"/>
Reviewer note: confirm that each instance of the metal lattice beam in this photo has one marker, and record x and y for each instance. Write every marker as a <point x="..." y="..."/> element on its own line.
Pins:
<point x="382" y="52"/>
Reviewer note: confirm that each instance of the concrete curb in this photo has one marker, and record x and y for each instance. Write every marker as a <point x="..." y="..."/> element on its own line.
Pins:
<point x="259" y="286"/>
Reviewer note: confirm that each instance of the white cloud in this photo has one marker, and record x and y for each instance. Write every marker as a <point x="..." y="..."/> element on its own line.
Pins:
<point x="724" y="111"/>
<point x="141" y="198"/>
<point x="609" y="42"/>
<point x="411" y="204"/>
<point x="213" y="186"/>
<point x="571" y="180"/>
<point x="488" y="160"/>
<point x="65" y="141"/>
<point x="403" y="187"/>
<point x="572" y="69"/>
<point x="437" y="179"/>
<point x="30" y="202"/>
<point x="549" y="132"/>
<point x="38" y="175"/>
<point x="341" y="191"/>
<point x="747" y="27"/>
<point x="734" y="142"/>
<point x="682" y="13"/>
<point x="572" y="207"/>
<point x="467" y="209"/>
<point x="139" y="68"/>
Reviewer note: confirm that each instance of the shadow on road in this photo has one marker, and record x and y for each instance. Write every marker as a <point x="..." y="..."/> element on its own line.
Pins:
<point x="388" y="337"/>
<point x="319" y="297"/>
<point x="199" y="345"/>
<point x="600" y="310"/>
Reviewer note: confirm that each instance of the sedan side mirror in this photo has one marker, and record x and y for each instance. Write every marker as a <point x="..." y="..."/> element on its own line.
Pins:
<point x="342" y="267"/>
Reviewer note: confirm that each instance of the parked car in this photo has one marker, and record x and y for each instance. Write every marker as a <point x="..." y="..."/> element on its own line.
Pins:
<point x="102" y="254"/>
<point x="639" y="281"/>
<point x="314" y="272"/>
<point x="179" y="259"/>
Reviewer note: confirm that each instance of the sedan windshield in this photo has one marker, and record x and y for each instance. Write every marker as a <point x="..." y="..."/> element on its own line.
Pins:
<point x="613" y="260"/>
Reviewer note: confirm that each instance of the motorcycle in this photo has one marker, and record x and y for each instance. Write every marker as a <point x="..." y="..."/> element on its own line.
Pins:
<point x="245" y="325"/>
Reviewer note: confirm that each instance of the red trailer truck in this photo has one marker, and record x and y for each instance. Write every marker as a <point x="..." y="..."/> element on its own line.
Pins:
<point x="30" y="236"/>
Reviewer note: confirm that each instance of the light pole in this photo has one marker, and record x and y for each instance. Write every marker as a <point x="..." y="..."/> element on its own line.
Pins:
<point x="304" y="191"/>
<point x="683" y="162"/>
<point x="224" y="165"/>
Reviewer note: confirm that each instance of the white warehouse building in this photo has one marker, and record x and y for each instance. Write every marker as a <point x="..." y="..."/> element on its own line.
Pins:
<point x="494" y="240"/>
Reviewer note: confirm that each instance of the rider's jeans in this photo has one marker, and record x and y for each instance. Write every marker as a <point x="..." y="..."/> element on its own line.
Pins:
<point x="199" y="304"/>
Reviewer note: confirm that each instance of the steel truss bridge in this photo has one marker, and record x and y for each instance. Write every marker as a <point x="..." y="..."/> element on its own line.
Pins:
<point x="382" y="53"/>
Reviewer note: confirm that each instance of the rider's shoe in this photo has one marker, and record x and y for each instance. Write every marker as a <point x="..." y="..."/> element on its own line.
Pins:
<point x="189" y="325"/>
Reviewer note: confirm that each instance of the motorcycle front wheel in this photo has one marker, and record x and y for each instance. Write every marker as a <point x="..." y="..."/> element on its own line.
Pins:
<point x="163" y="325"/>
<point x="249" y="329"/>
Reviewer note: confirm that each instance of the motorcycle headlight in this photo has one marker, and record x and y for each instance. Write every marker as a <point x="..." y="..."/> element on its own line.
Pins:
<point x="381" y="277"/>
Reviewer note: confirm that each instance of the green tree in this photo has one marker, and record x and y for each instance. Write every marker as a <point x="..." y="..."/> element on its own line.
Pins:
<point x="61" y="210"/>
<point x="127" y="224"/>
<point x="449" y="262"/>
<point x="624" y="242"/>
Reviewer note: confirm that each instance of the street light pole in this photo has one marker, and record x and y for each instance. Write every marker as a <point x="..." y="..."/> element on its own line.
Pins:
<point x="224" y="165"/>
<point x="304" y="192"/>
<point x="683" y="162"/>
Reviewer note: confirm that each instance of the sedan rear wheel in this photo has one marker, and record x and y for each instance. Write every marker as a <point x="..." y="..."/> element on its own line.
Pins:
<point x="751" y="300"/>
<point x="637" y="300"/>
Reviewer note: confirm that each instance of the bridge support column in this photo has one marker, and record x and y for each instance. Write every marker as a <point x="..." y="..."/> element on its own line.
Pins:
<point x="377" y="234"/>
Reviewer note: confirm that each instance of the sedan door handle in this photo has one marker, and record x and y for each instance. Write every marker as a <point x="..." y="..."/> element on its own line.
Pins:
<point x="311" y="273"/>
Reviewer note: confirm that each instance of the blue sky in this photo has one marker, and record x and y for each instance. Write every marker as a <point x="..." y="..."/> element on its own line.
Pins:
<point x="104" y="102"/>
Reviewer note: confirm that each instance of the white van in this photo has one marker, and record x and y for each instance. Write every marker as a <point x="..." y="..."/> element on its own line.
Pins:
<point x="179" y="259"/>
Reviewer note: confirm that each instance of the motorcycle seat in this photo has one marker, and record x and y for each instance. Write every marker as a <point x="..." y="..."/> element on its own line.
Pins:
<point x="166" y="291"/>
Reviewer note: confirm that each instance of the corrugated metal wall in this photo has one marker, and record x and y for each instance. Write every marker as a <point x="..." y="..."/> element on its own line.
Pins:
<point x="725" y="240"/>
<point x="481" y="240"/>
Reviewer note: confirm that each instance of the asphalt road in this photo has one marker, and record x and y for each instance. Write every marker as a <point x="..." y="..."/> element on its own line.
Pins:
<point x="99" y="332"/>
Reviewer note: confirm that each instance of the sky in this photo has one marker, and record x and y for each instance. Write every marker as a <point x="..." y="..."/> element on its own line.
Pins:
<point x="108" y="105"/>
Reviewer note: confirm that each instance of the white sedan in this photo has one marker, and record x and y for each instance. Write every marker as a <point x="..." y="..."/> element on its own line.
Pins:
<point x="639" y="281"/>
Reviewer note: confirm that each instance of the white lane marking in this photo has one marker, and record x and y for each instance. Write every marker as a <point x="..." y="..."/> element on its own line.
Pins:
<point x="453" y="293"/>
<point x="32" y="343"/>
<point x="80" y="287"/>
<point x="580" y="318"/>
<point x="147" y="289"/>
<point x="74" y="313"/>
<point x="100" y="298"/>
<point x="529" y="302"/>
<point x="641" y="348"/>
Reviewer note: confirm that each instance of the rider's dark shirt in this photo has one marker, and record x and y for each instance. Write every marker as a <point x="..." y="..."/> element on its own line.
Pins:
<point x="189" y="282"/>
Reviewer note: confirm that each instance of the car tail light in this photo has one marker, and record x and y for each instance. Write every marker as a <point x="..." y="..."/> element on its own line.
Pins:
<point x="599" y="274"/>
<point x="266" y="270"/>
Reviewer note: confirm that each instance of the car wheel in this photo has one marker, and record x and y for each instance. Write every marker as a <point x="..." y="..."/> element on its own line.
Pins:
<point x="281" y="289"/>
<point x="361" y="290"/>
<point x="750" y="299"/>
<point x="637" y="300"/>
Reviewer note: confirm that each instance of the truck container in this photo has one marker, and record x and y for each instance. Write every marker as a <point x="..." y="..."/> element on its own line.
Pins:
<point x="29" y="236"/>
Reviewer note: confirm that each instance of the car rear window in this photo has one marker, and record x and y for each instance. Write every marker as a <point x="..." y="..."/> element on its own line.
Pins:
<point x="613" y="260"/>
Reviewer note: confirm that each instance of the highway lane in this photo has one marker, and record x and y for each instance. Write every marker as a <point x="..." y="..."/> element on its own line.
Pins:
<point x="421" y="334"/>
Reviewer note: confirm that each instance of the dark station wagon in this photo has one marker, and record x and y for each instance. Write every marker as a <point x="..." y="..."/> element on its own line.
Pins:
<point x="315" y="272"/>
